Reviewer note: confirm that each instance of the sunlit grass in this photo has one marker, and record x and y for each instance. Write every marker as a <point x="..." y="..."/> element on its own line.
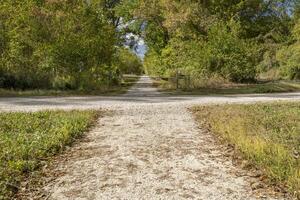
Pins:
<point x="28" y="138"/>
<point x="268" y="135"/>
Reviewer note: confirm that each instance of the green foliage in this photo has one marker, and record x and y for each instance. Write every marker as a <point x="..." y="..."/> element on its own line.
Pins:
<point x="153" y="64"/>
<point x="156" y="34"/>
<point x="74" y="44"/>
<point x="213" y="38"/>
<point x="289" y="56"/>
<point x="186" y="56"/>
<point x="223" y="53"/>
<point x="266" y="134"/>
<point x="28" y="138"/>
<point x="126" y="9"/>
<point x="229" y="56"/>
<point x="58" y="44"/>
<point x="129" y="62"/>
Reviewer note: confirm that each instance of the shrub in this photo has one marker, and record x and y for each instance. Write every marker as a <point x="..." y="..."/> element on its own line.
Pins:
<point x="289" y="56"/>
<point x="128" y="62"/>
<point x="289" y="59"/>
<point x="229" y="56"/>
<point x="58" y="44"/>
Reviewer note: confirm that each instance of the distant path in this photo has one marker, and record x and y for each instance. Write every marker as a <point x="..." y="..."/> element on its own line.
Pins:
<point x="141" y="94"/>
<point x="148" y="148"/>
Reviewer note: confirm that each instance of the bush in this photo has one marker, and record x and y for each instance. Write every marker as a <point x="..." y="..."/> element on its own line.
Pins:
<point x="57" y="44"/>
<point x="289" y="56"/>
<point x="289" y="59"/>
<point x="153" y="64"/>
<point x="222" y="53"/>
<point x="229" y="56"/>
<point x="128" y="62"/>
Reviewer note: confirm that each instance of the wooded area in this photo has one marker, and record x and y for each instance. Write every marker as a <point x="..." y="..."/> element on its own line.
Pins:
<point x="61" y="45"/>
<point x="234" y="40"/>
<point x="79" y="44"/>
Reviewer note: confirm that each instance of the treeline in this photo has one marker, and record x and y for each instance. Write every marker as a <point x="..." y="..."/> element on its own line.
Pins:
<point x="78" y="44"/>
<point x="235" y="40"/>
<point x="61" y="45"/>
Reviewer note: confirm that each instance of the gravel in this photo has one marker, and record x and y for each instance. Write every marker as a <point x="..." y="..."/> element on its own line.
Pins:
<point x="148" y="147"/>
<point x="141" y="94"/>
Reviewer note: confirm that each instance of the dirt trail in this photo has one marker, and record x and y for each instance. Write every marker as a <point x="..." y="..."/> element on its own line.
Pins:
<point x="149" y="151"/>
<point x="141" y="94"/>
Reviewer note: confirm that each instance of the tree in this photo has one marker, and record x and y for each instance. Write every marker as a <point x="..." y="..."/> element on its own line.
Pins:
<point x="232" y="36"/>
<point x="129" y="62"/>
<point x="289" y="56"/>
<point x="57" y="44"/>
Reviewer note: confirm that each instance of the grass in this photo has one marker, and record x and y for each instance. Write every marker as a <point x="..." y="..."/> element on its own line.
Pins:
<point x="267" y="87"/>
<point x="127" y="82"/>
<point x="267" y="135"/>
<point x="28" y="139"/>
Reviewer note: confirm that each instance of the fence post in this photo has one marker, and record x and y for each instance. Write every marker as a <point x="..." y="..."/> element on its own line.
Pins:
<point x="110" y="78"/>
<point x="189" y="81"/>
<point x="177" y="80"/>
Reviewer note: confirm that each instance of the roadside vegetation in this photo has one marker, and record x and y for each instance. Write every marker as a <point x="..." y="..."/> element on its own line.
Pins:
<point x="27" y="140"/>
<point x="227" y="88"/>
<point x="237" y="41"/>
<point x="125" y="83"/>
<point x="266" y="134"/>
<point x="87" y="45"/>
<point x="62" y="45"/>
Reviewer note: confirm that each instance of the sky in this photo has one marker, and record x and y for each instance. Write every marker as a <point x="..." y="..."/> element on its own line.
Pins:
<point x="141" y="49"/>
<point x="137" y="44"/>
<point x="134" y="42"/>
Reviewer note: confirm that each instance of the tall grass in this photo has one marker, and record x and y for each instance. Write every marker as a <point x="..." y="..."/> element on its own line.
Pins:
<point x="219" y="86"/>
<point x="268" y="135"/>
<point x="28" y="138"/>
<point x="122" y="88"/>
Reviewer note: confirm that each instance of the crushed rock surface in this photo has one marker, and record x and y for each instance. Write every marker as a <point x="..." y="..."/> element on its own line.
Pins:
<point x="147" y="151"/>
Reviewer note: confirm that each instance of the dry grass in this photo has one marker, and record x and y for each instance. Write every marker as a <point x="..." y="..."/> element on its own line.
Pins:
<point x="210" y="87"/>
<point x="268" y="135"/>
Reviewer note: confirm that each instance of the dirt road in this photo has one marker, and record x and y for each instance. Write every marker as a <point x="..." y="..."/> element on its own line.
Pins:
<point x="149" y="147"/>
<point x="141" y="94"/>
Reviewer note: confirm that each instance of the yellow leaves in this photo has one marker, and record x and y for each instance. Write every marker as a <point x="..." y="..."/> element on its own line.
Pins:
<point x="176" y="14"/>
<point x="149" y="10"/>
<point x="296" y="30"/>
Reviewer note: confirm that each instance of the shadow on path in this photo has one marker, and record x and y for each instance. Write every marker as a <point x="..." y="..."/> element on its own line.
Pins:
<point x="142" y="92"/>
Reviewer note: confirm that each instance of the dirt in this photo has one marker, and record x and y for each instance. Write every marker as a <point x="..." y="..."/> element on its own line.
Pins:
<point x="151" y="151"/>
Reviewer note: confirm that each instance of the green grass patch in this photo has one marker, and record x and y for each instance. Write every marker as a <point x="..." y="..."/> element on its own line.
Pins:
<point x="26" y="139"/>
<point x="268" y="135"/>
<point x="125" y="84"/>
<point x="268" y="87"/>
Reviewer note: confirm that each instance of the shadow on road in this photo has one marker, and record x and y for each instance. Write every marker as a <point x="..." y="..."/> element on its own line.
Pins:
<point x="142" y="92"/>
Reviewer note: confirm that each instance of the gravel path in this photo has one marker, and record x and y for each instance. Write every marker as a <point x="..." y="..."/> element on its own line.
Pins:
<point x="145" y="150"/>
<point x="149" y="152"/>
<point x="141" y="94"/>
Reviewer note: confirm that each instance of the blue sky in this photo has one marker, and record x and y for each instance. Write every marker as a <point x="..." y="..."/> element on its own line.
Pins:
<point x="137" y="44"/>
